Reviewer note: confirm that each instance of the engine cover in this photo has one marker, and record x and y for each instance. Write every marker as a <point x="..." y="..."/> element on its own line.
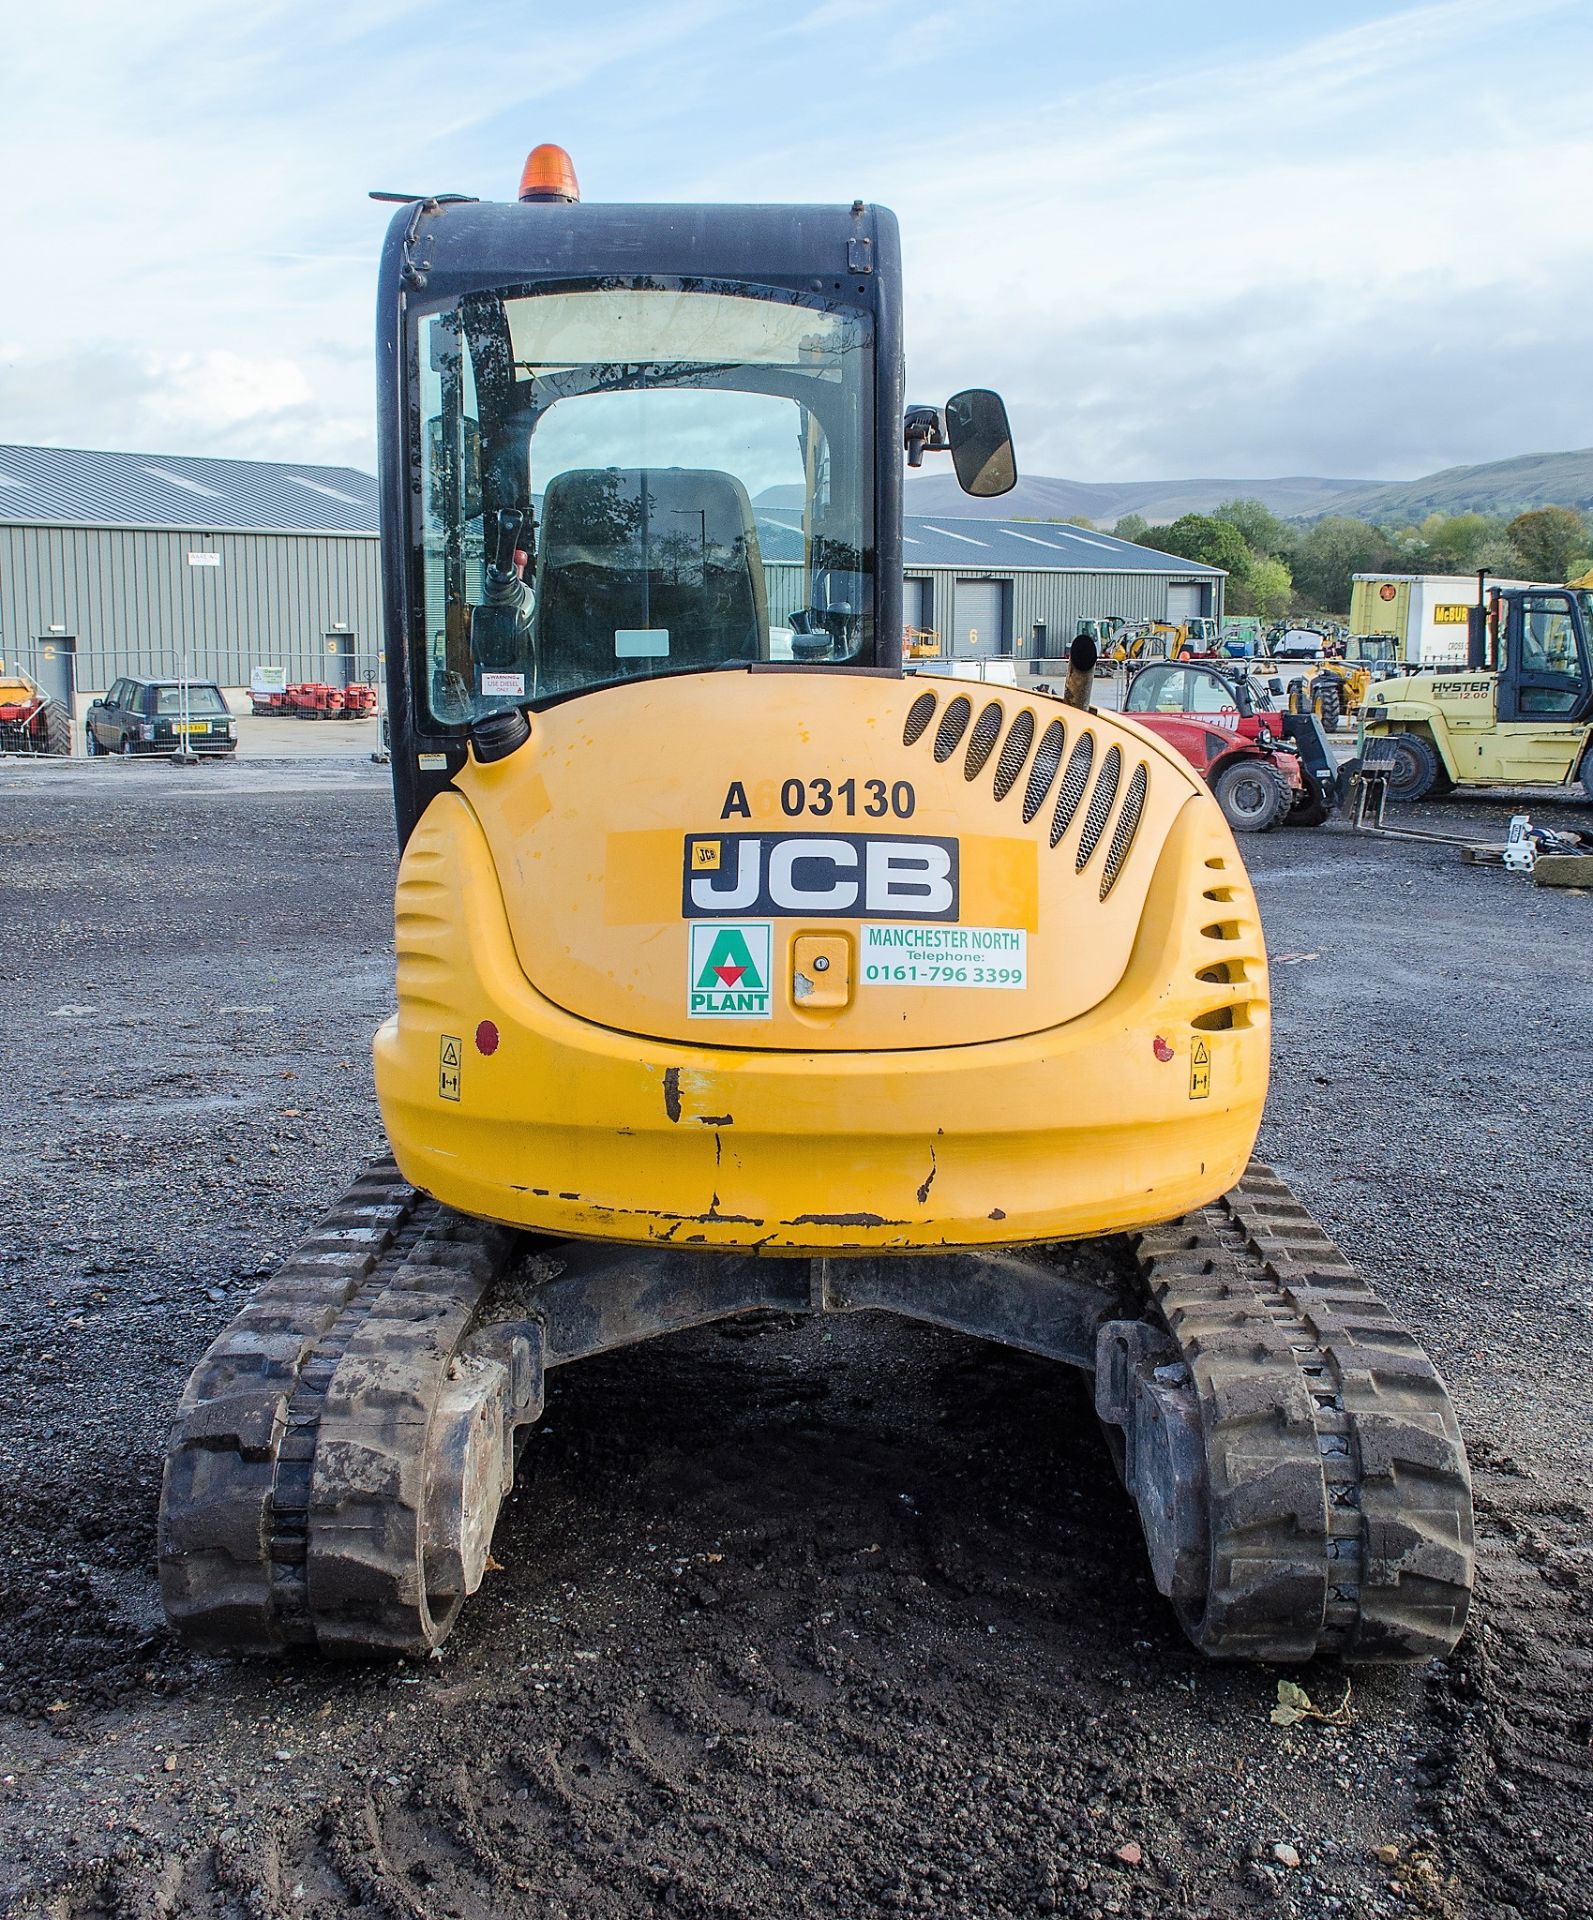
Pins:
<point x="800" y="859"/>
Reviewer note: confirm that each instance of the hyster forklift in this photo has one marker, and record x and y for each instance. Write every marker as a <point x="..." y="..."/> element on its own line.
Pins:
<point x="1519" y="714"/>
<point x="739" y="970"/>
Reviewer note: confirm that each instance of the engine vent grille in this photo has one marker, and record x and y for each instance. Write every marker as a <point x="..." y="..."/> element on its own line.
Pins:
<point x="1100" y="807"/>
<point x="1074" y="781"/>
<point x="1020" y="737"/>
<point x="982" y="737"/>
<point x="982" y="741"/>
<point x="919" y="715"/>
<point x="953" y="724"/>
<point x="1127" y="827"/>
<point x="1047" y="759"/>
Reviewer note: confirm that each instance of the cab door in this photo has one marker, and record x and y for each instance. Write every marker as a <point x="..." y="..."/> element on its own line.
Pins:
<point x="1545" y="689"/>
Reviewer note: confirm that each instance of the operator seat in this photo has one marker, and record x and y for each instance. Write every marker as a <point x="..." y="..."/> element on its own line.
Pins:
<point x="628" y="552"/>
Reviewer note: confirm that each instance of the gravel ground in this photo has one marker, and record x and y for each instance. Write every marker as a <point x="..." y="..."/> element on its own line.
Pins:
<point x="797" y="1619"/>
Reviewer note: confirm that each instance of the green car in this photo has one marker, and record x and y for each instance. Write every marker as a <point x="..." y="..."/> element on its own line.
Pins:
<point x="160" y="716"/>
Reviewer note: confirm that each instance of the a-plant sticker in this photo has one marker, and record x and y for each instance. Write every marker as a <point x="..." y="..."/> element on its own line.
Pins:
<point x="730" y="969"/>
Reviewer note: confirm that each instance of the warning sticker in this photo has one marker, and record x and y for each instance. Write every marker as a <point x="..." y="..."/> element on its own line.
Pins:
<point x="503" y="683"/>
<point x="1199" y="1070"/>
<point x="940" y="956"/>
<point x="450" y="1058"/>
<point x="730" y="965"/>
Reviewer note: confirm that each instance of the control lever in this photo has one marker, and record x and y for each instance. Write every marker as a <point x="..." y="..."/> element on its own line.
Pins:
<point x="502" y="567"/>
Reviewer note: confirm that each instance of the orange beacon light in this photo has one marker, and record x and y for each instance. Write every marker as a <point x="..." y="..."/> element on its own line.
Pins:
<point x="549" y="174"/>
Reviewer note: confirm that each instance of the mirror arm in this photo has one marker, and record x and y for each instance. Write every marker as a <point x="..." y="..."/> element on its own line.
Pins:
<point x="923" y="432"/>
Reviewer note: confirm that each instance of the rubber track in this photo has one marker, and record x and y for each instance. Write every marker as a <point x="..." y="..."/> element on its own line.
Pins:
<point x="1340" y="1497"/>
<point x="292" y="1496"/>
<point x="369" y="1589"/>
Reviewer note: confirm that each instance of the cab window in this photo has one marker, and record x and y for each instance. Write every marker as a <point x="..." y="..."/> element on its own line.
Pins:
<point x="617" y="481"/>
<point x="1550" y="666"/>
<point x="1210" y="695"/>
<point x="1158" y="690"/>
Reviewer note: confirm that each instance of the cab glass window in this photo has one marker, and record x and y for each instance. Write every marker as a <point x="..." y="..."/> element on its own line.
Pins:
<point x="1209" y="694"/>
<point x="620" y="482"/>
<point x="1158" y="690"/>
<point x="1548" y="644"/>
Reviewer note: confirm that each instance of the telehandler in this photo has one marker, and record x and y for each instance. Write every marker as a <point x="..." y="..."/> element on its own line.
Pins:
<point x="1338" y="686"/>
<point x="1519" y="714"/>
<point x="738" y="970"/>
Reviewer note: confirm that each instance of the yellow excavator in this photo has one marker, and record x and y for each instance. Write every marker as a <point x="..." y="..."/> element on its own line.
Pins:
<point x="738" y="968"/>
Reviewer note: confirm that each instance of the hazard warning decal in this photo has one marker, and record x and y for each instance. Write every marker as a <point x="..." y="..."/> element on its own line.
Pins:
<point x="450" y="1062"/>
<point x="728" y="977"/>
<point x="1199" y="1071"/>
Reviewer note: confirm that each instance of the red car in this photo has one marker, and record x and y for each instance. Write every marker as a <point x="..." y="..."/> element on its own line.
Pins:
<point x="1263" y="766"/>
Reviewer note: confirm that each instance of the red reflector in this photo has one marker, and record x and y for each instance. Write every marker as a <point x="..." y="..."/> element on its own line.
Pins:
<point x="486" y="1038"/>
<point x="1161" y="1049"/>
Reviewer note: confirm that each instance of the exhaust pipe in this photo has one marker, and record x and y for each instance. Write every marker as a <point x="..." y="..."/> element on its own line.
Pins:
<point x="1080" y="683"/>
<point x="1477" y="626"/>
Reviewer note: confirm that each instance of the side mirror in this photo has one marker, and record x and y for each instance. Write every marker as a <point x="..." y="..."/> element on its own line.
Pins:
<point x="981" y="443"/>
<point x="1274" y="686"/>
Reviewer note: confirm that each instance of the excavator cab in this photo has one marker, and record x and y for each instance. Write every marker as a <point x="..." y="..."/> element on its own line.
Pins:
<point x="596" y="476"/>
<point x="738" y="969"/>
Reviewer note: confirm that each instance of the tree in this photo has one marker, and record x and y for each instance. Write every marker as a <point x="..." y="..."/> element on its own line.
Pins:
<point x="1264" y="532"/>
<point x="1132" y="526"/>
<point x="1078" y="520"/>
<point x="1334" y="550"/>
<point x="1215" y="543"/>
<point x="1501" y="557"/>
<point x="1548" y="540"/>
<point x="1453" y="541"/>
<point x="1266" y="590"/>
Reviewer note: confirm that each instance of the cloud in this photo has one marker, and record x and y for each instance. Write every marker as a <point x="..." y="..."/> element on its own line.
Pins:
<point x="1243" y="276"/>
<point x="213" y="402"/>
<point x="1217" y="239"/>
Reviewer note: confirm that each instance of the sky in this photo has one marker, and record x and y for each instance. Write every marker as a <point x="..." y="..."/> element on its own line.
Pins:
<point x="1225" y="239"/>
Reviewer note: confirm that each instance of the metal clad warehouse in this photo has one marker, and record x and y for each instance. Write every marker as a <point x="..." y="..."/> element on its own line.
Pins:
<point x="151" y="562"/>
<point x="1018" y="589"/>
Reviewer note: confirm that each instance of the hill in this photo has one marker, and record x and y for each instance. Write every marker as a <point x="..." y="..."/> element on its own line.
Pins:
<point x="1496" y="486"/>
<point x="1037" y="497"/>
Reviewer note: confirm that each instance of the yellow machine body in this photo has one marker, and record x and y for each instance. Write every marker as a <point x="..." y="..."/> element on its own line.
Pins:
<point x="1458" y="712"/>
<point x="821" y="962"/>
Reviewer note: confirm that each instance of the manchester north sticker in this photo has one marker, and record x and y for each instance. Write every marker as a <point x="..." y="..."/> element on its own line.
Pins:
<point x="729" y="974"/>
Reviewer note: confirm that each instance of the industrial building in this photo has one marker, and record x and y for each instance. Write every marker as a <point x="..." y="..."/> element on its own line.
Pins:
<point x="129" y="563"/>
<point x="125" y="563"/>
<point x="1015" y="590"/>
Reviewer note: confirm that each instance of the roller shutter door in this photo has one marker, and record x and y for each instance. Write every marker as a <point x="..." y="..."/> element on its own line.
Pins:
<point x="977" y="630"/>
<point x="1185" y="602"/>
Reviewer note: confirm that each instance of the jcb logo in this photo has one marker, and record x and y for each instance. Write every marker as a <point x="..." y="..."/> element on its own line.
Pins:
<point x="813" y="874"/>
